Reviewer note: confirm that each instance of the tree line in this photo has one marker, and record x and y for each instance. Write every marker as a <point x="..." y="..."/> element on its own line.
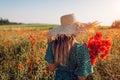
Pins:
<point x="116" y="24"/>
<point x="6" y="22"/>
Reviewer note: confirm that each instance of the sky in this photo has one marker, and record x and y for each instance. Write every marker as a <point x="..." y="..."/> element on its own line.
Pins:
<point x="50" y="11"/>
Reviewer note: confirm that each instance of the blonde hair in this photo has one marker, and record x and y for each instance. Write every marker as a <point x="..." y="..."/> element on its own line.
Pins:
<point x="61" y="48"/>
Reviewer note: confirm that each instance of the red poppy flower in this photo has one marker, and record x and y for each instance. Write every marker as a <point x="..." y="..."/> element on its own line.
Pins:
<point x="20" y="66"/>
<point x="33" y="43"/>
<point x="98" y="45"/>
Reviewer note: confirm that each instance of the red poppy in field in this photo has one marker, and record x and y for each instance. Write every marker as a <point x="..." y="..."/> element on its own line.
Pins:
<point x="0" y="44"/>
<point x="43" y="40"/>
<point x="40" y="36"/>
<point x="17" y="42"/>
<point x="46" y="71"/>
<point x="33" y="43"/>
<point x="20" y="66"/>
<point x="45" y="33"/>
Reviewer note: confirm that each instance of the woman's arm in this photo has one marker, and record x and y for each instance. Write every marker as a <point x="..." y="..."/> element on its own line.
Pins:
<point x="51" y="67"/>
<point x="84" y="66"/>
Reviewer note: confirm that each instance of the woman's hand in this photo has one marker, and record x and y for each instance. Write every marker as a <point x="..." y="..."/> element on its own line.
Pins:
<point x="51" y="67"/>
<point x="49" y="39"/>
<point x="81" y="78"/>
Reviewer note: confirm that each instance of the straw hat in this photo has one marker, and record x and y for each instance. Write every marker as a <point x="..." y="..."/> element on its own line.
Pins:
<point x="69" y="25"/>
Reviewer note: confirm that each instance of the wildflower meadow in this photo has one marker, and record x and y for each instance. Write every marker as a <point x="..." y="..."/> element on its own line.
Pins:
<point x="22" y="54"/>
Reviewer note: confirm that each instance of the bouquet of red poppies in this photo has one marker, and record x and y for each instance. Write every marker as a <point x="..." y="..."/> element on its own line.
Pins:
<point x="98" y="47"/>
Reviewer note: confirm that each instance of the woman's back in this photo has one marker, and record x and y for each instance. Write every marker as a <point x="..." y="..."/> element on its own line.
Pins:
<point x="78" y="62"/>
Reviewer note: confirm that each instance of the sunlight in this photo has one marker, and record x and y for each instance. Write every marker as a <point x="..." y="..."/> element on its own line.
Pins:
<point x="117" y="6"/>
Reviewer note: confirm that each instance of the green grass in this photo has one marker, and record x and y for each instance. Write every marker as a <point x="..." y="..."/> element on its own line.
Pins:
<point x="27" y="27"/>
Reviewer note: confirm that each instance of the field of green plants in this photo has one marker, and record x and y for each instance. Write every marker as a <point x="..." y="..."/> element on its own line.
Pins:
<point x="22" y="51"/>
<point x="27" y="27"/>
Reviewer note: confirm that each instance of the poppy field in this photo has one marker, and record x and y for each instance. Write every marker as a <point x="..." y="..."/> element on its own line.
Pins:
<point x="22" y="54"/>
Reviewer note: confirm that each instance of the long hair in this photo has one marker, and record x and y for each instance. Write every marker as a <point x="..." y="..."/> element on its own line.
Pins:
<point x="61" y="48"/>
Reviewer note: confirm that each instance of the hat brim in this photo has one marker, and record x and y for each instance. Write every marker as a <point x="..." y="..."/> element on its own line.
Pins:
<point x="69" y="29"/>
